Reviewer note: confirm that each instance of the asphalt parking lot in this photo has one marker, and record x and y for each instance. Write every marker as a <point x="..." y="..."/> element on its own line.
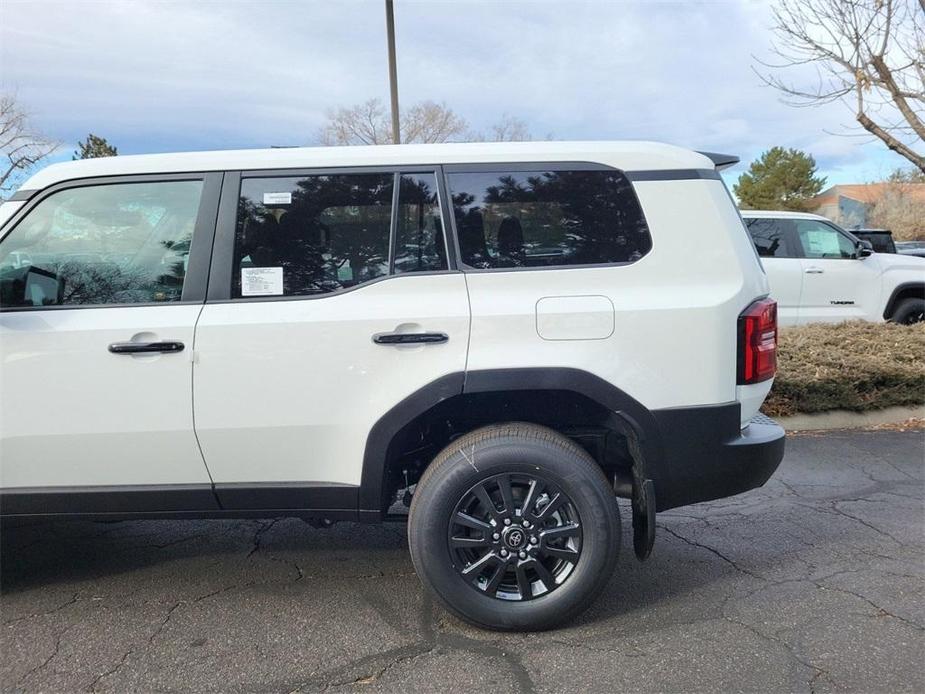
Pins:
<point x="813" y="583"/>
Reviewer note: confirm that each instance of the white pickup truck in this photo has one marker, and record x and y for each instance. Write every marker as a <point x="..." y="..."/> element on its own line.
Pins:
<point x="819" y="272"/>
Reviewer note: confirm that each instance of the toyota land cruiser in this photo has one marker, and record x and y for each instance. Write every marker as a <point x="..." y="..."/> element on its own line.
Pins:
<point x="504" y="337"/>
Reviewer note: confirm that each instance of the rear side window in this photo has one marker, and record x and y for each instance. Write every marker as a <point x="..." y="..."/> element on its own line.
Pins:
<point x="311" y="234"/>
<point x="770" y="237"/>
<point x="547" y="218"/>
<point x="121" y="243"/>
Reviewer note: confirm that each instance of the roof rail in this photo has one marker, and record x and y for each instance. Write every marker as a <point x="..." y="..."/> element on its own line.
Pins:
<point x="721" y="161"/>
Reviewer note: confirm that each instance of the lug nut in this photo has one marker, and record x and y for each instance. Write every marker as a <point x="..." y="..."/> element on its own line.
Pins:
<point x="522" y="555"/>
<point x="495" y="536"/>
<point x="533" y="540"/>
<point x="526" y="524"/>
<point x="503" y="552"/>
<point x="507" y="521"/>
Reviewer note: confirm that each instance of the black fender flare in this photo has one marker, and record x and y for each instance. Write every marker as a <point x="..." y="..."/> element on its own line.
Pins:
<point x="640" y="420"/>
<point x="894" y="297"/>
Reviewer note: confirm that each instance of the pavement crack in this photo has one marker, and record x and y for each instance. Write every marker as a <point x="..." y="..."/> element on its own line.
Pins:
<point x="112" y="671"/>
<point x="258" y="535"/>
<point x="47" y="660"/>
<point x="834" y="506"/>
<point x="415" y="652"/>
<point x="33" y="615"/>
<point x="788" y="647"/>
<point x="163" y="624"/>
<point x="712" y="550"/>
<point x="881" y="611"/>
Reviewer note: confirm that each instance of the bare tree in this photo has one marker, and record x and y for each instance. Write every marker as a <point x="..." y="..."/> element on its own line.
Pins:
<point x="508" y="129"/>
<point x="20" y="146"/>
<point x="427" y="121"/>
<point x="900" y="207"/>
<point x="868" y="54"/>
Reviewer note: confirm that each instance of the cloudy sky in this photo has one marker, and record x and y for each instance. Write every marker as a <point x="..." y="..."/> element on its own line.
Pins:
<point x="169" y="76"/>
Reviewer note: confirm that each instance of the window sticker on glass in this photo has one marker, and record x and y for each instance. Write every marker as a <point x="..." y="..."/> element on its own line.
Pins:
<point x="820" y="243"/>
<point x="261" y="281"/>
<point x="277" y="198"/>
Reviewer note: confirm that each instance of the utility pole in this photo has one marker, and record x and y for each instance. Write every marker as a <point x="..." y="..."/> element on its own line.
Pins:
<point x="393" y="70"/>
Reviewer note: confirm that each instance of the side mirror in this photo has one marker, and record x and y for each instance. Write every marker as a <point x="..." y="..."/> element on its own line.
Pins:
<point x="864" y="248"/>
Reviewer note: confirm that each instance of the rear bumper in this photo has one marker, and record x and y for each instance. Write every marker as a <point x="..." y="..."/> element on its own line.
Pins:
<point x="706" y="456"/>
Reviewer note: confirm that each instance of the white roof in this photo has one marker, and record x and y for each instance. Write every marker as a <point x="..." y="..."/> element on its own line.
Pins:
<point x="629" y="156"/>
<point x="783" y="214"/>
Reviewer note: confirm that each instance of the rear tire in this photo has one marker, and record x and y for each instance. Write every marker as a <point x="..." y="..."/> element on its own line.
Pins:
<point x="909" y="311"/>
<point x="514" y="527"/>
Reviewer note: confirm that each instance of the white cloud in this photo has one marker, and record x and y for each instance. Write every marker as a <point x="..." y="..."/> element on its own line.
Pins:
<point x="160" y="76"/>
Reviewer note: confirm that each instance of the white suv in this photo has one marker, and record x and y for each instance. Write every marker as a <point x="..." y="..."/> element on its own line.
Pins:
<point x="821" y="273"/>
<point x="505" y="337"/>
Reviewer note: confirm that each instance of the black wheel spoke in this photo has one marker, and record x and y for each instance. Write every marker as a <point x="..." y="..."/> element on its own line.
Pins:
<point x="561" y="553"/>
<point x="507" y="494"/>
<point x="492" y="587"/>
<point x="536" y="488"/>
<point x="554" y="503"/>
<point x="475" y="568"/>
<point x="507" y="552"/>
<point x="567" y="530"/>
<point x="544" y="575"/>
<point x="485" y="498"/>
<point x="471" y="522"/>
<point x="523" y="583"/>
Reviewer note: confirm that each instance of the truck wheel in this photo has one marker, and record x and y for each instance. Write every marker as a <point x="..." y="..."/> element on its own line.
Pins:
<point x="514" y="527"/>
<point x="909" y="311"/>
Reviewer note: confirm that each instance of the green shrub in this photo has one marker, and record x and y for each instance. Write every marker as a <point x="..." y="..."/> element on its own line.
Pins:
<point x="849" y="366"/>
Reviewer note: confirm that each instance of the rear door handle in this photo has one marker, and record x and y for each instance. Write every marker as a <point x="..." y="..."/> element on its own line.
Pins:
<point x="145" y="347"/>
<point x="814" y="271"/>
<point x="409" y="338"/>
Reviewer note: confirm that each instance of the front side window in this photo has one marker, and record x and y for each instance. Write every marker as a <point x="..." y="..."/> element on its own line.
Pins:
<point x="770" y="236"/>
<point x="308" y="235"/>
<point x="547" y="218"/>
<point x="819" y="240"/>
<point x="108" y="244"/>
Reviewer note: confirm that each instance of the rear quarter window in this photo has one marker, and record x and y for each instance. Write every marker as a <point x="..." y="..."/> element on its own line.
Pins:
<point x="523" y="219"/>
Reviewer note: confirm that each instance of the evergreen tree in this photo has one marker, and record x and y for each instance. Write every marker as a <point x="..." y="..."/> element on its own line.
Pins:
<point x="780" y="179"/>
<point x="94" y="147"/>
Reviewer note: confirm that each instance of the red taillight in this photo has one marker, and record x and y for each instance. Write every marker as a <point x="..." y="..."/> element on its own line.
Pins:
<point x="758" y="342"/>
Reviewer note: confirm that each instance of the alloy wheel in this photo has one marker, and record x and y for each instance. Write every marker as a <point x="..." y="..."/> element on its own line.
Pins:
<point x="515" y="536"/>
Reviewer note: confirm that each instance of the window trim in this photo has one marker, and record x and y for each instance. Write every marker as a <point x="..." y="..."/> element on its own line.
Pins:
<point x="195" y="280"/>
<point x="222" y="268"/>
<point x="526" y="167"/>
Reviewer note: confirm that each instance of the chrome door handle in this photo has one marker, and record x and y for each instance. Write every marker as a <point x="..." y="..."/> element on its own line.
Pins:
<point x="409" y="338"/>
<point x="814" y="271"/>
<point x="145" y="347"/>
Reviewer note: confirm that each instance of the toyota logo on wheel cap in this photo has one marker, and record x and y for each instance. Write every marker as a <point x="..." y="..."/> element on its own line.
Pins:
<point x="515" y="538"/>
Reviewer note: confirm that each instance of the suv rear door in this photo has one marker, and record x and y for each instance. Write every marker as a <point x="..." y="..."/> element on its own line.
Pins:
<point x="780" y="252"/>
<point x="90" y="273"/>
<point x="331" y="299"/>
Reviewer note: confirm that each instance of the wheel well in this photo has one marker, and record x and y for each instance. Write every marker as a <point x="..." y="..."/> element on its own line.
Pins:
<point x="901" y="293"/>
<point x="590" y="424"/>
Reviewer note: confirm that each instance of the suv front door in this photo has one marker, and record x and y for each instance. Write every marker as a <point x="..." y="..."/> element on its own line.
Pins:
<point x="837" y="285"/>
<point x="89" y="275"/>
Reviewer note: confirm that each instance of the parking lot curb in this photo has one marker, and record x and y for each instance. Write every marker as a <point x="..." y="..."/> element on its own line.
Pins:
<point x="845" y="419"/>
